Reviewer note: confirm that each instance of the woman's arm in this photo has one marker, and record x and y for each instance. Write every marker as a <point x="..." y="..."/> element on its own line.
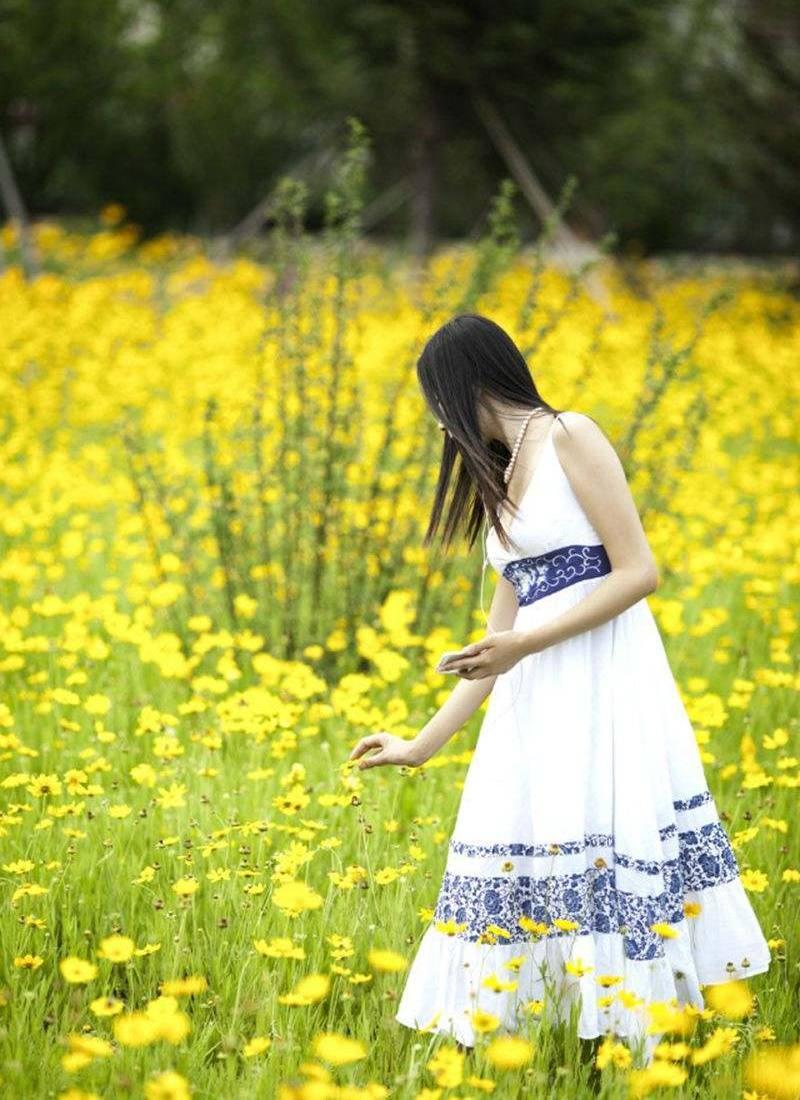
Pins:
<point x="461" y="704"/>
<point x="465" y="698"/>
<point x="598" y="480"/>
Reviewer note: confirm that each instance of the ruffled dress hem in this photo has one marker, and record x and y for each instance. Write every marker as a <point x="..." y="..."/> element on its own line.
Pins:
<point x="446" y="982"/>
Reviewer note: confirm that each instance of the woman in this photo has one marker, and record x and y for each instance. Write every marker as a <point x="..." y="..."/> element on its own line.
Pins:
<point x="587" y="861"/>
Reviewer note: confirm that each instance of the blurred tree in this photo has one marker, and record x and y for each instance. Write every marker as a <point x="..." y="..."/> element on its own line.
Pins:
<point x="679" y="117"/>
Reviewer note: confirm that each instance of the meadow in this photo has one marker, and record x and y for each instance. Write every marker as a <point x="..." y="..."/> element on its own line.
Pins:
<point x="216" y="474"/>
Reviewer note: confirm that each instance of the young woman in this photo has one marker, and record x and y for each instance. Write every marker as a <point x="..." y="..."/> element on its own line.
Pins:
<point x="587" y="861"/>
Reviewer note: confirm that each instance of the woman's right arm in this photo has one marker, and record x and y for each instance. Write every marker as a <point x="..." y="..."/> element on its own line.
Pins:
<point x="467" y="695"/>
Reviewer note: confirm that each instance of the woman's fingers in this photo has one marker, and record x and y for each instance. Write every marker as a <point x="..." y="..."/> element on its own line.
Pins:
<point x="471" y="672"/>
<point x="372" y="741"/>
<point x="370" y="761"/>
<point x="470" y="666"/>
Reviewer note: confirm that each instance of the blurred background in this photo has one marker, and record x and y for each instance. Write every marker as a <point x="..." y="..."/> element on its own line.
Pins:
<point x="680" y="119"/>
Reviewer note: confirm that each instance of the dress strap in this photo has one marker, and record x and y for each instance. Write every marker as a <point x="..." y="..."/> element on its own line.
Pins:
<point x="545" y="444"/>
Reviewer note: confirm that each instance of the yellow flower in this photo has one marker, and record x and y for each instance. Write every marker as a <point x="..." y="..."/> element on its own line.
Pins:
<point x="144" y="774"/>
<point x="491" y="933"/>
<point x="754" y="881"/>
<point x="167" y="1086"/>
<point x="484" y="1022"/>
<point x="28" y="890"/>
<point x="667" y="1017"/>
<point x="578" y="967"/>
<point x="106" y="1006"/>
<point x="672" y="1052"/>
<point x="691" y="908"/>
<point x="77" y="970"/>
<point x="28" y="962"/>
<point x="309" y="990"/>
<point x="184" y="987"/>
<point x="775" y="1072"/>
<point x="112" y="213"/>
<point x="20" y="867"/>
<point x="385" y="960"/>
<point x="607" y="980"/>
<point x="386" y="875"/>
<point x="257" y="1045"/>
<point x="90" y="1045"/>
<point x="732" y="999"/>
<point x="116" y="948"/>
<point x="498" y="985"/>
<point x="279" y="947"/>
<point x="172" y="797"/>
<point x="509" y="1052"/>
<point x="641" y="1082"/>
<point x="136" y="1029"/>
<point x="296" y="897"/>
<point x="185" y="887"/>
<point x="41" y="785"/>
<point x="449" y="927"/>
<point x="173" y="1024"/>
<point x="536" y="928"/>
<point x="97" y="704"/>
<point x="339" y="1050"/>
<point x="148" y="949"/>
<point x="75" y="1060"/>
<point x="719" y="1042"/>
<point x="613" y="1053"/>
<point x="666" y="931"/>
<point x="565" y="925"/>
<point x="447" y="1067"/>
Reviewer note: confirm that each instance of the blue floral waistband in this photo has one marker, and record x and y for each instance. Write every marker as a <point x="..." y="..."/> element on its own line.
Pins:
<point x="542" y="574"/>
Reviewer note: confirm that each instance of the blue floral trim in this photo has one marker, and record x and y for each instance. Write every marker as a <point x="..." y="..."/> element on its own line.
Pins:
<point x="565" y="848"/>
<point x="591" y="897"/>
<point x="590" y="840"/>
<point x="542" y="574"/>
<point x="693" y="802"/>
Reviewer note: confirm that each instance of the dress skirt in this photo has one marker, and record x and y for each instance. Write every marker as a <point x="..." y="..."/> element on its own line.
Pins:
<point x="587" y="864"/>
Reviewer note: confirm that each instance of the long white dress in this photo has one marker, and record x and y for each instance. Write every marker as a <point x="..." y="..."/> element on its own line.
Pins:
<point x="585" y="801"/>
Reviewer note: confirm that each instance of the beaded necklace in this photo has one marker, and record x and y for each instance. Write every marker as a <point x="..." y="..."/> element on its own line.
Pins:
<point x="506" y="476"/>
<point x="516" y="447"/>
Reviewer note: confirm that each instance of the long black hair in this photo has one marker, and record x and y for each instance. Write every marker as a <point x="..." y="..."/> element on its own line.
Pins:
<point x="469" y="358"/>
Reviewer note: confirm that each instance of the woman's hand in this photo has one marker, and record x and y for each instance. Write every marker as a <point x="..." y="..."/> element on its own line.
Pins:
<point x="490" y="656"/>
<point x="392" y="750"/>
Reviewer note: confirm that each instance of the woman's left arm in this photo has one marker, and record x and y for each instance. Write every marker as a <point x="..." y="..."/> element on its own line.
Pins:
<point x="598" y="480"/>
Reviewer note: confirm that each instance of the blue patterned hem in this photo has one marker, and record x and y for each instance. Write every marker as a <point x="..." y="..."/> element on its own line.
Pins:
<point x="539" y="576"/>
<point x="591" y="897"/>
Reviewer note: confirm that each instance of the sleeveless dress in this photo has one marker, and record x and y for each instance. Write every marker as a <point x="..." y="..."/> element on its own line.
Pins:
<point x="584" y="803"/>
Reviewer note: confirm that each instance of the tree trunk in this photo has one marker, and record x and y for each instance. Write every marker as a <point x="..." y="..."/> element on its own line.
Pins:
<point x="423" y="176"/>
<point x="15" y="208"/>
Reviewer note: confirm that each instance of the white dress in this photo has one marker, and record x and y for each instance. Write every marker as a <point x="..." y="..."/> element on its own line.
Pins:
<point x="585" y="800"/>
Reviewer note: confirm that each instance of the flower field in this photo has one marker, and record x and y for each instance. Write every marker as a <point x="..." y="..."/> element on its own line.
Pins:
<point x="215" y="478"/>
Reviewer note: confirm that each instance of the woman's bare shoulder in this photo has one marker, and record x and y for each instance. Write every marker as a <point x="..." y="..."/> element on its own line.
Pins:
<point x="580" y="423"/>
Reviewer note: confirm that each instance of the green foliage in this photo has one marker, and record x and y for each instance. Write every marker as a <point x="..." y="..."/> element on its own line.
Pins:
<point x="677" y="116"/>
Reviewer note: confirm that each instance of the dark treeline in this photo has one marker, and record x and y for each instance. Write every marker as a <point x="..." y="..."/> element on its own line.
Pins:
<point x="680" y="120"/>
